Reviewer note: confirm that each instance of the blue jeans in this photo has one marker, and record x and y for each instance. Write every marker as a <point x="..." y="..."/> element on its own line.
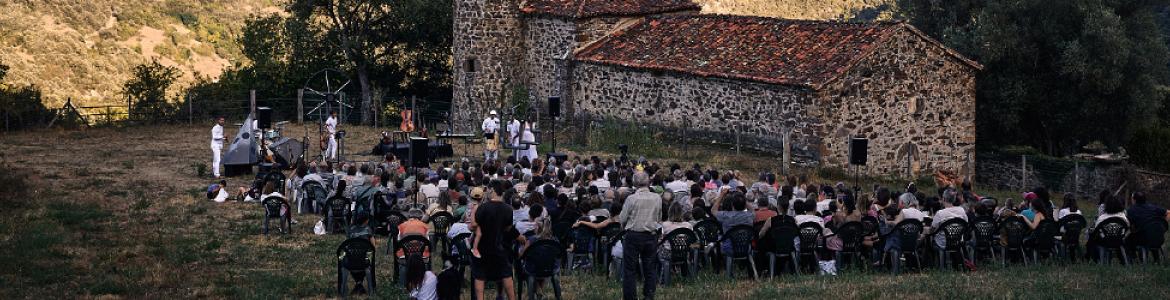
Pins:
<point x="639" y="250"/>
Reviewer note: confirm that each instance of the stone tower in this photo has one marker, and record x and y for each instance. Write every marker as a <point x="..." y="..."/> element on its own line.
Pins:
<point x="488" y="51"/>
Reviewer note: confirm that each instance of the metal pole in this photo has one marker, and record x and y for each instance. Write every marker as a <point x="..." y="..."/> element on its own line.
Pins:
<point x="1077" y="177"/>
<point x="190" y="110"/>
<point x="1023" y="172"/>
<point x="300" y="106"/>
<point x="252" y="101"/>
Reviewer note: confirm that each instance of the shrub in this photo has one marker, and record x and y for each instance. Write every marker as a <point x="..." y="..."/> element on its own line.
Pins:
<point x="1148" y="147"/>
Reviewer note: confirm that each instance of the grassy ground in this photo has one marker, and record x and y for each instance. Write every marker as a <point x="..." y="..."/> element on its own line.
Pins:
<point x="119" y="212"/>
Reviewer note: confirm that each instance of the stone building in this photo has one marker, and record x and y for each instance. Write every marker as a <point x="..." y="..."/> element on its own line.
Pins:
<point x="659" y="62"/>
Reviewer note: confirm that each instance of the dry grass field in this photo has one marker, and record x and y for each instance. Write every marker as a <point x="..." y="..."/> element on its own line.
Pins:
<point x="119" y="213"/>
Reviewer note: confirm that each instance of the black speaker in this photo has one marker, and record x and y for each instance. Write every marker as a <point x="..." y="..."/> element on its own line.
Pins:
<point x="264" y="117"/>
<point x="418" y="152"/>
<point x="858" y="151"/>
<point x="554" y="106"/>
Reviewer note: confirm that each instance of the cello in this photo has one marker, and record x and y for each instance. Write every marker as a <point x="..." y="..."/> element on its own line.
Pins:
<point x="407" y="121"/>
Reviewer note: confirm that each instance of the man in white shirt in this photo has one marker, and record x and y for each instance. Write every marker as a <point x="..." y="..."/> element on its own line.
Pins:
<point x="491" y="127"/>
<point x="331" y="129"/>
<point x="216" y="145"/>
<point x="951" y="210"/>
<point x="430" y="189"/>
<point x="514" y="135"/>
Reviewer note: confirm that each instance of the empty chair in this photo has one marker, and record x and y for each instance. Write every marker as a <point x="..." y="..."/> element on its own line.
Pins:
<point x="741" y="238"/>
<point x="272" y="210"/>
<point x="356" y="257"/>
<point x="907" y="232"/>
<point x="1013" y="232"/>
<point x="984" y="237"/>
<point x="682" y="254"/>
<point x="541" y="261"/>
<point x="782" y="235"/>
<point x="954" y="233"/>
<point x="1070" y="236"/>
<point x="1110" y="235"/>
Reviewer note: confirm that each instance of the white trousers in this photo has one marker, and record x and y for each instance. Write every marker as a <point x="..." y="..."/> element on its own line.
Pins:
<point x="216" y="150"/>
<point x="331" y="151"/>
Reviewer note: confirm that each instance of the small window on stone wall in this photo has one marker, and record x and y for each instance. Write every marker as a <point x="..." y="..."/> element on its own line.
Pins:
<point x="915" y="105"/>
<point x="469" y="65"/>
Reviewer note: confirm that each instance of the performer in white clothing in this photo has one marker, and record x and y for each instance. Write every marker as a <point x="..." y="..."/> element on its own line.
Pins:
<point x="216" y="145"/>
<point x="514" y="135"/>
<point x="528" y="137"/>
<point x="331" y="129"/>
<point x="491" y="127"/>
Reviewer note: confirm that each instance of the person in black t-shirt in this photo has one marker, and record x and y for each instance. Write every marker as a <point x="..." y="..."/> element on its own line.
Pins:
<point x="493" y="220"/>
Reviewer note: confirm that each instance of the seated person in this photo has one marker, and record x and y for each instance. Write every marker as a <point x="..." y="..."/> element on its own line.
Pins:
<point x="1148" y="221"/>
<point x="526" y="226"/>
<point x="420" y="281"/>
<point x="952" y="209"/>
<point x="412" y="226"/>
<point x="359" y="229"/>
<point x="218" y="191"/>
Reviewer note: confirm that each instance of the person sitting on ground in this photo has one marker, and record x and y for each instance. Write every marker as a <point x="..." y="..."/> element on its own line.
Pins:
<point x="420" y="281"/>
<point x="218" y="191"/>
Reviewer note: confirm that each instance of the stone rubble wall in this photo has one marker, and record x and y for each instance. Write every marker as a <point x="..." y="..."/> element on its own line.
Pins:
<point x="874" y="100"/>
<point x="711" y="108"/>
<point x="488" y="31"/>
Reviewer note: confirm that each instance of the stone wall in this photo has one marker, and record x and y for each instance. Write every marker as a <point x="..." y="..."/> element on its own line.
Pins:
<point x="1086" y="178"/>
<point x="709" y="107"/>
<point x="488" y="32"/>
<point x="909" y="96"/>
<point x="547" y="40"/>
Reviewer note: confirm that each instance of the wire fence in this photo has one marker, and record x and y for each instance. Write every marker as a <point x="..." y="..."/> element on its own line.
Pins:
<point x="1085" y="177"/>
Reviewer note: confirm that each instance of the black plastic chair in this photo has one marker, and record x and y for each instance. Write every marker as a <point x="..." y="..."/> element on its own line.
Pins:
<point x="1014" y="231"/>
<point x="356" y="254"/>
<point x="390" y="222"/>
<point x="852" y="234"/>
<point x="541" y="260"/>
<point x="681" y="253"/>
<point x="782" y="235"/>
<point x="312" y="197"/>
<point x="954" y="233"/>
<point x="272" y="207"/>
<point x="908" y="232"/>
<point x="607" y="238"/>
<point x="1043" y="239"/>
<point x="869" y="225"/>
<point x="809" y="234"/>
<point x="1070" y="238"/>
<point x="741" y="238"/>
<point x="411" y="245"/>
<point x="983" y="237"/>
<point x="441" y="222"/>
<point x="337" y="214"/>
<point x="1110" y="235"/>
<point x="584" y="240"/>
<point x="1150" y="240"/>
<point x="461" y="257"/>
<point x="709" y="233"/>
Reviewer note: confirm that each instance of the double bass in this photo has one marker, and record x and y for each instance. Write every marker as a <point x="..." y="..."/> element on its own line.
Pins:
<point x="407" y="121"/>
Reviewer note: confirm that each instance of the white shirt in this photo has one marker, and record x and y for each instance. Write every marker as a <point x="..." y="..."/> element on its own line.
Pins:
<point x="1064" y="212"/>
<point x="429" y="190"/>
<point x="948" y="213"/>
<point x="1104" y="216"/>
<point x="823" y="205"/>
<point x="491" y="125"/>
<point x="912" y="213"/>
<point x="601" y="184"/>
<point x="221" y="197"/>
<point x="678" y="186"/>
<point x="331" y="125"/>
<point x="514" y="131"/>
<point x="217" y="134"/>
<point x="426" y="290"/>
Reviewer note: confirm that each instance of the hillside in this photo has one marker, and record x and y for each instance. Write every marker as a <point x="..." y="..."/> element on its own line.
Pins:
<point x="801" y="9"/>
<point x="86" y="49"/>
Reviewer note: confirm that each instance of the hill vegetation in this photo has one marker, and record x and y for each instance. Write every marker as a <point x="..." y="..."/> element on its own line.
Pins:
<point x="87" y="49"/>
<point x="803" y="9"/>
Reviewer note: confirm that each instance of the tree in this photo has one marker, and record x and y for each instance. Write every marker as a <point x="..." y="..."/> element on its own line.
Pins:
<point x="147" y="91"/>
<point x="1058" y="74"/>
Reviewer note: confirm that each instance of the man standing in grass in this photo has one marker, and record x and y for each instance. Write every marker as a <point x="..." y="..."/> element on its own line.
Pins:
<point x="216" y="146"/>
<point x="641" y="216"/>
<point x="493" y="226"/>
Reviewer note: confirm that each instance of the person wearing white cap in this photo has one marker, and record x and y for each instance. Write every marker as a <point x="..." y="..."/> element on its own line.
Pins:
<point x="491" y="126"/>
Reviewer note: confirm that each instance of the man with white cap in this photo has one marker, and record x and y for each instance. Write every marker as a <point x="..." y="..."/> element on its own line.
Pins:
<point x="491" y="126"/>
<point x="216" y="145"/>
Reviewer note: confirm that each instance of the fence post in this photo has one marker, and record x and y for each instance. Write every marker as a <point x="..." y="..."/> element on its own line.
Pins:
<point x="1023" y="172"/>
<point x="738" y="127"/>
<point x="1076" y="176"/>
<point x="190" y="110"/>
<point x="300" y="106"/>
<point x="252" y="101"/>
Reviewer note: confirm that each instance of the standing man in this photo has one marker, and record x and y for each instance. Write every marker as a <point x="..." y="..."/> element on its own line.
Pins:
<point x="640" y="217"/>
<point x="331" y="128"/>
<point x="493" y="223"/>
<point x="514" y="135"/>
<point x="491" y="147"/>
<point x="216" y="145"/>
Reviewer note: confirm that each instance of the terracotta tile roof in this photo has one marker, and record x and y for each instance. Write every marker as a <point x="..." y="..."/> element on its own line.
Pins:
<point x="769" y="50"/>
<point x="596" y="8"/>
